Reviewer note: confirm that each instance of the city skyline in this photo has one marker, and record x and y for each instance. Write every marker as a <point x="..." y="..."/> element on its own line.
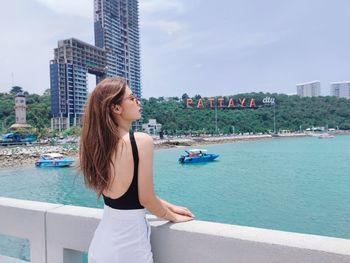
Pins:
<point x="266" y="47"/>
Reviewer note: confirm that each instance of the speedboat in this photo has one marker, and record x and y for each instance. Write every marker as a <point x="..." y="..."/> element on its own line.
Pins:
<point x="53" y="160"/>
<point x="197" y="156"/>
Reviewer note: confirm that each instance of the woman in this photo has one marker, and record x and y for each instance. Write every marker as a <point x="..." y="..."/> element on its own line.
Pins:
<point x="117" y="164"/>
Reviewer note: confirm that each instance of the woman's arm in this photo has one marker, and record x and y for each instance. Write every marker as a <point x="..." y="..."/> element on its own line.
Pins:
<point x="147" y="197"/>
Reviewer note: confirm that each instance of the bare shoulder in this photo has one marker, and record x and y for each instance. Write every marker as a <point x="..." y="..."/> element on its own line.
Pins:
<point x="143" y="140"/>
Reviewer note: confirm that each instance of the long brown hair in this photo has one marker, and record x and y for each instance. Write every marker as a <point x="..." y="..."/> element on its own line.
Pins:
<point x="99" y="135"/>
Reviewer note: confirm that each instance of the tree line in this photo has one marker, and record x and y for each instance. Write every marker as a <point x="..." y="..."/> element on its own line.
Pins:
<point x="291" y="113"/>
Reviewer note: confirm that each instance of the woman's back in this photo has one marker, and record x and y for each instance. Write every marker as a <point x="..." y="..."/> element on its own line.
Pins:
<point x="122" y="170"/>
<point x="122" y="192"/>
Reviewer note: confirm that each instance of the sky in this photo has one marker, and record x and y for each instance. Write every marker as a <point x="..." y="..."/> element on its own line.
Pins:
<point x="211" y="48"/>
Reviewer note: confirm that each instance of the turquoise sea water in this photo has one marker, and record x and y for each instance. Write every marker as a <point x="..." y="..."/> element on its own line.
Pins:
<point x="292" y="184"/>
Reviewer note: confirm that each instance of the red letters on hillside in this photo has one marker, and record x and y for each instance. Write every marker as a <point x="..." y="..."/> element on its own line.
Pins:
<point x="189" y="103"/>
<point x="252" y="103"/>
<point x="200" y="104"/>
<point x="219" y="102"/>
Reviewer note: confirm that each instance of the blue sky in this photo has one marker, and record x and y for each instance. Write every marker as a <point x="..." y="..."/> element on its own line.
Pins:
<point x="198" y="47"/>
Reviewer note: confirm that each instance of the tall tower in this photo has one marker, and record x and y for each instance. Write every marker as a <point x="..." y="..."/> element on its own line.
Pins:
<point x="20" y="108"/>
<point x="116" y="25"/>
<point x="117" y="53"/>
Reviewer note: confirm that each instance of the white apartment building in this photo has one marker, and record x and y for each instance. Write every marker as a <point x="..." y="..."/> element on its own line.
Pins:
<point x="309" y="89"/>
<point x="152" y="127"/>
<point x="341" y="89"/>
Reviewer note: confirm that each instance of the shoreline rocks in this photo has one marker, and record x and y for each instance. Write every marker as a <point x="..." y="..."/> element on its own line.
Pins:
<point x="27" y="155"/>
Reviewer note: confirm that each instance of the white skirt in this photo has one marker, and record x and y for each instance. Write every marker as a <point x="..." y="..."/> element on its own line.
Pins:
<point x="122" y="236"/>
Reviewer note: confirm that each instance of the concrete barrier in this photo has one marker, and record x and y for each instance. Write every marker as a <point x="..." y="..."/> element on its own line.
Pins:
<point x="4" y="259"/>
<point x="26" y="219"/>
<point x="58" y="234"/>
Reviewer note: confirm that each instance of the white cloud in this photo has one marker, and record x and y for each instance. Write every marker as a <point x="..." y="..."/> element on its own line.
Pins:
<point x="156" y="6"/>
<point x="198" y="65"/>
<point x="244" y="41"/>
<point x="168" y="26"/>
<point x="81" y="8"/>
<point x="181" y="43"/>
<point x="32" y="37"/>
<point x="162" y="8"/>
<point x="238" y="42"/>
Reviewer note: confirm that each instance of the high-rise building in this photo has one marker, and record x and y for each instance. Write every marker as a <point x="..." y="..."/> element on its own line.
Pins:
<point x="341" y="89"/>
<point x="116" y="25"/>
<point x="73" y="60"/>
<point x="117" y="53"/>
<point x="309" y="89"/>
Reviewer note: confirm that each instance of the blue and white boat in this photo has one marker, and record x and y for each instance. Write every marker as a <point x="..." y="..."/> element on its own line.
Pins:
<point x="197" y="156"/>
<point x="53" y="160"/>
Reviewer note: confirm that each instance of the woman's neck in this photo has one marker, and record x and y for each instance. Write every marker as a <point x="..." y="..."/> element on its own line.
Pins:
<point x="124" y="127"/>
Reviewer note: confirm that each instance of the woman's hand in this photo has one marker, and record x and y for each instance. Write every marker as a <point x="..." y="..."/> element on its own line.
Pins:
<point x="180" y="214"/>
<point x="176" y="214"/>
<point x="177" y="218"/>
<point x="180" y="210"/>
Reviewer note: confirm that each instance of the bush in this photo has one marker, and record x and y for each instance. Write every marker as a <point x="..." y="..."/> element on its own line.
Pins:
<point x="344" y="126"/>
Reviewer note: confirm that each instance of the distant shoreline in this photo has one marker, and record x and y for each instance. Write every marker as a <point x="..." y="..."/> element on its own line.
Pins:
<point x="27" y="155"/>
<point x="199" y="141"/>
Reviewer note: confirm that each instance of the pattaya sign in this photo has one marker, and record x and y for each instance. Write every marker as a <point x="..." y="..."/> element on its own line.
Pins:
<point x="229" y="103"/>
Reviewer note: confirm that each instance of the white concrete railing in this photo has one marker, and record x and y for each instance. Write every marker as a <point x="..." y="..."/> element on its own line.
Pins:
<point x="58" y="233"/>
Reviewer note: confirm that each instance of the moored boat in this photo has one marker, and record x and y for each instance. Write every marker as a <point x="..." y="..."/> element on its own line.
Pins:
<point x="197" y="156"/>
<point x="53" y="160"/>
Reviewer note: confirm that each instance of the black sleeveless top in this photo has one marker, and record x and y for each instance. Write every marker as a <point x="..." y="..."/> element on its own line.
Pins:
<point x="130" y="199"/>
